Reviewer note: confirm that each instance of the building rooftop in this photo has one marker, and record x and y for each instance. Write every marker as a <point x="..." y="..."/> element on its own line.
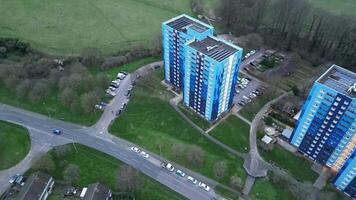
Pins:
<point x="214" y="48"/>
<point x="183" y="22"/>
<point x="97" y="191"/>
<point x="340" y="79"/>
<point x="34" y="186"/>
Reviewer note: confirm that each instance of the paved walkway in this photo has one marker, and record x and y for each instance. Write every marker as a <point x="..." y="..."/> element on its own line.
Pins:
<point x="174" y="103"/>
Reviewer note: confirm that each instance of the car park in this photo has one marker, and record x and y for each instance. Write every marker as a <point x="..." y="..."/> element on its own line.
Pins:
<point x="180" y="173"/>
<point x="57" y="131"/>
<point x="192" y="180"/>
<point x="135" y="149"/>
<point x="167" y="166"/>
<point x="144" y="154"/>
<point x="204" y="186"/>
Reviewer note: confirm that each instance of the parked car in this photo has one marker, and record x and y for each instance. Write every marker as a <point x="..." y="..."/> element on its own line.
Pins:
<point x="118" y="112"/>
<point x="144" y="154"/>
<point x="204" y="186"/>
<point x="57" y="131"/>
<point x="180" y="173"/>
<point x="110" y="93"/>
<point x="135" y="149"/>
<point x="241" y="104"/>
<point x="121" y="76"/>
<point x="192" y="180"/>
<point x="127" y="92"/>
<point x="123" y="105"/>
<point x="168" y="166"/>
<point x="13" y="178"/>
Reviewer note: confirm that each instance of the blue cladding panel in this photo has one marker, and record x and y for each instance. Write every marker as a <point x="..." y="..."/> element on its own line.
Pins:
<point x="345" y="180"/>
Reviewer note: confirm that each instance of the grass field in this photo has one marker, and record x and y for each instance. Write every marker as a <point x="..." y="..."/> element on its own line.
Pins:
<point x="66" y="27"/>
<point x="345" y="7"/>
<point x="152" y="123"/>
<point x="234" y="132"/>
<point x="99" y="167"/>
<point x="14" y="144"/>
<point x="264" y="189"/>
<point x="298" y="167"/>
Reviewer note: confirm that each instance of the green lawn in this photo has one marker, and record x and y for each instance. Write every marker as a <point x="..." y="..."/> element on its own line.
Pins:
<point x="66" y="26"/>
<point x="152" y="123"/>
<point x="96" y="166"/>
<point x="50" y="106"/>
<point x="234" y="132"/>
<point x="251" y="109"/>
<point x="345" y="7"/>
<point x="14" y="144"/>
<point x="298" y="167"/>
<point x="198" y="120"/>
<point x="264" y="189"/>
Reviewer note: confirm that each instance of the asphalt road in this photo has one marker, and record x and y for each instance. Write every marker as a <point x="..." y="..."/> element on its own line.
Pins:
<point x="40" y="128"/>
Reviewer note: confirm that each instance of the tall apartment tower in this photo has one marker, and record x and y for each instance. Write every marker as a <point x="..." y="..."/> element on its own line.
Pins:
<point x="175" y="33"/>
<point x="325" y="131"/>
<point x="345" y="180"/>
<point x="211" y="71"/>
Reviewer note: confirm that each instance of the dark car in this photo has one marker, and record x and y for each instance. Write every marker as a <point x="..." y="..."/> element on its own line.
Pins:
<point x="56" y="131"/>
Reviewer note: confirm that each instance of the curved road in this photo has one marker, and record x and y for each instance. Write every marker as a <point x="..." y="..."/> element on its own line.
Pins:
<point x="97" y="137"/>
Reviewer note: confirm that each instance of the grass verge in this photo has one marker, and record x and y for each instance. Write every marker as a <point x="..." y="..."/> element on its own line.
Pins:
<point x="233" y="132"/>
<point x="265" y="189"/>
<point x="15" y="143"/>
<point x="298" y="167"/>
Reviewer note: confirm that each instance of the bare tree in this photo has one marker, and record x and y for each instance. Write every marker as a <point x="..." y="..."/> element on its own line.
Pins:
<point x="195" y="155"/>
<point x="44" y="163"/>
<point x="220" y="169"/>
<point x="67" y="96"/>
<point x="177" y="150"/>
<point x="88" y="101"/>
<point x="71" y="173"/>
<point x="128" y="179"/>
<point x="92" y="57"/>
<point x="23" y="88"/>
<point x="235" y="182"/>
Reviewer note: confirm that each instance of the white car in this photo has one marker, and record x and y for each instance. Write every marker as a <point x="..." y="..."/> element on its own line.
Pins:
<point x="180" y="173"/>
<point x="204" y="186"/>
<point x="193" y="180"/>
<point x="144" y="154"/>
<point x="168" y="166"/>
<point x="135" y="149"/>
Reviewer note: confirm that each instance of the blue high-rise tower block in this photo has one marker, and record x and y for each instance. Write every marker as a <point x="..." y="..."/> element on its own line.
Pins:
<point x="175" y="33"/>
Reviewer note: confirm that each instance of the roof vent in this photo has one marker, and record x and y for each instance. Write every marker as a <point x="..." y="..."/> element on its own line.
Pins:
<point x="209" y="48"/>
<point x="352" y="89"/>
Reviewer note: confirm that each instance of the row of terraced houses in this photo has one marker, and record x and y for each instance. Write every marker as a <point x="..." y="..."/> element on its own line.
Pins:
<point x="206" y="68"/>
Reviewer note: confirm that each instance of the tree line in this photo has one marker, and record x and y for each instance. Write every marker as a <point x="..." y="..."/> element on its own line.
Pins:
<point x="36" y="77"/>
<point x="316" y="34"/>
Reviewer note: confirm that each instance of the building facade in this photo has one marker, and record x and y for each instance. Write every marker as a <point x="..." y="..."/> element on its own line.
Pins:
<point x="325" y="131"/>
<point x="176" y="33"/>
<point x="211" y="71"/>
<point x="345" y="180"/>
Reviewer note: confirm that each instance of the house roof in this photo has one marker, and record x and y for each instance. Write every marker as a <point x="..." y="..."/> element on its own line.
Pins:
<point x="34" y="186"/>
<point x="96" y="191"/>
